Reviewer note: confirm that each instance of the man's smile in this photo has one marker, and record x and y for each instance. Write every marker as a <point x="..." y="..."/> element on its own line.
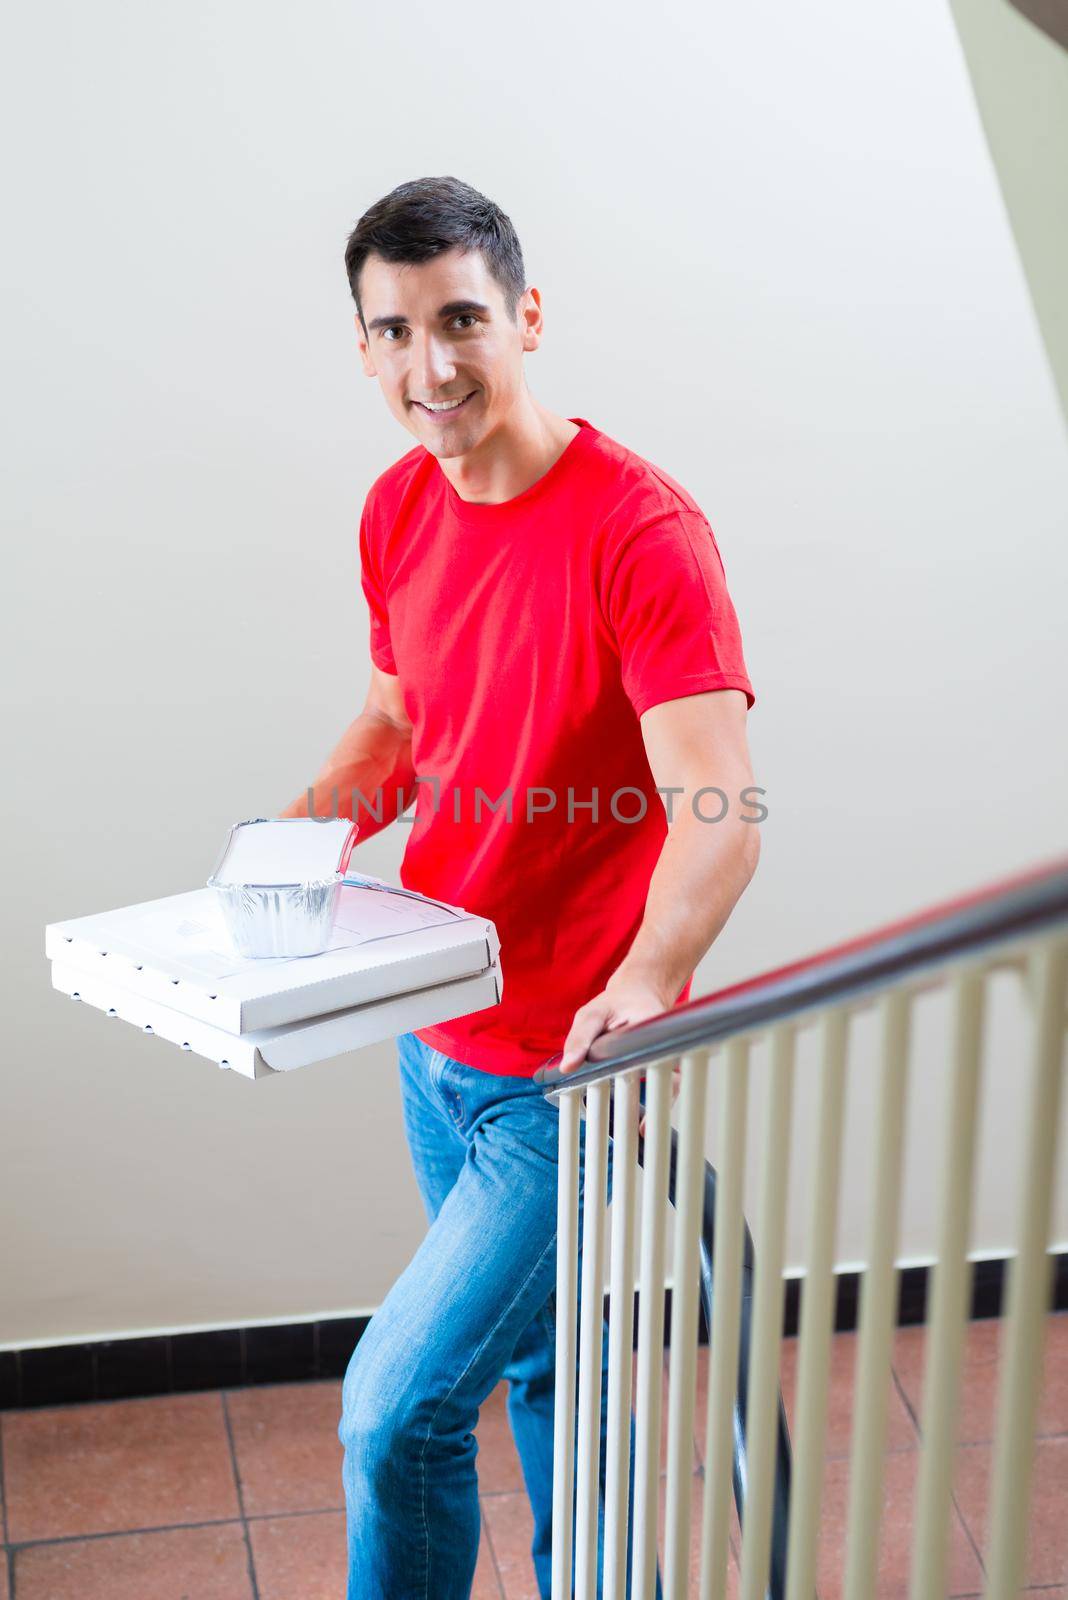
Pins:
<point x="444" y="408"/>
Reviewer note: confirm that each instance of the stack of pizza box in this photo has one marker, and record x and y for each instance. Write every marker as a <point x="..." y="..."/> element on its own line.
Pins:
<point x="396" y="961"/>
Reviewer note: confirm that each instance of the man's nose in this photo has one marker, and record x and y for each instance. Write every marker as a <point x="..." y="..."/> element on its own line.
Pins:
<point x="432" y="364"/>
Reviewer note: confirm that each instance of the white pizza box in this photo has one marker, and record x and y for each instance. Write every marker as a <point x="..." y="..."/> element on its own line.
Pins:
<point x="264" y="1051"/>
<point x="177" y="953"/>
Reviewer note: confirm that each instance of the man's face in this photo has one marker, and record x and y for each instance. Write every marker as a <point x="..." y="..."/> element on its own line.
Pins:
<point x="439" y="331"/>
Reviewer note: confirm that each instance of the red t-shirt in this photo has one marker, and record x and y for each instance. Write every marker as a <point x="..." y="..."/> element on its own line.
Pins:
<point x="529" y="637"/>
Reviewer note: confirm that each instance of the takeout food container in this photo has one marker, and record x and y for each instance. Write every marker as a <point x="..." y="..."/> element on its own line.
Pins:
<point x="278" y="881"/>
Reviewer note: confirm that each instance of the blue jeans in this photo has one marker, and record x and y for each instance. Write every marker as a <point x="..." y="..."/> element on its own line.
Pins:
<point x="476" y="1303"/>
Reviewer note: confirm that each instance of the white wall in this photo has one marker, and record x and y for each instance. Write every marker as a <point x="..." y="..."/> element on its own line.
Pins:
<point x="774" y="260"/>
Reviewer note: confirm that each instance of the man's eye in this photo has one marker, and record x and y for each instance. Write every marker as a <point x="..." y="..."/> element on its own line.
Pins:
<point x="397" y="328"/>
<point x="465" y="316"/>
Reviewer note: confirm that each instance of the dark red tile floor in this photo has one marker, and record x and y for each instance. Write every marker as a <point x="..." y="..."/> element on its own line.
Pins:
<point x="235" y="1495"/>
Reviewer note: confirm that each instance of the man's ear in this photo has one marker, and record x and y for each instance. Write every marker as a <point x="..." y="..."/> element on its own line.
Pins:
<point x="528" y="314"/>
<point x="369" y="368"/>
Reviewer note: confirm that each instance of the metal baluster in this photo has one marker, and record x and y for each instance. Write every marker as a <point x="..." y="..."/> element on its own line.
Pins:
<point x="762" y="1407"/>
<point x="726" y="1315"/>
<point x="621" y="1331"/>
<point x="817" y="1314"/>
<point x="685" y="1298"/>
<point x="1029" y="1279"/>
<point x="878" y="1305"/>
<point x="566" y="1317"/>
<point x="591" y="1337"/>
<point x="950" y="1294"/>
<point x="657" y="1145"/>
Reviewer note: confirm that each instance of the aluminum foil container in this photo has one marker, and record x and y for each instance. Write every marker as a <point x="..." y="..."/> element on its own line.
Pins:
<point x="278" y="882"/>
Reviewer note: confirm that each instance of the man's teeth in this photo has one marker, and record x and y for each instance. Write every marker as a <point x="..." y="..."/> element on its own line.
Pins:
<point x="444" y="405"/>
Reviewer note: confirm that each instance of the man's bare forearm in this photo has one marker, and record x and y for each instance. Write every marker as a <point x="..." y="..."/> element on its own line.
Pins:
<point x="703" y="866"/>
<point x="371" y="767"/>
<point x="701" y="873"/>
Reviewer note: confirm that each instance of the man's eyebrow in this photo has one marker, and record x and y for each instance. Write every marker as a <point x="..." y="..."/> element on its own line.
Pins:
<point x="452" y="308"/>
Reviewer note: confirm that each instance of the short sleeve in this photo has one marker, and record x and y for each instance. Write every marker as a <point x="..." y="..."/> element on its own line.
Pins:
<point x="375" y="595"/>
<point x="667" y="605"/>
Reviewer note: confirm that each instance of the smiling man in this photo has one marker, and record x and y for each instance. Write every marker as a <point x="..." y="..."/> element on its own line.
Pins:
<point x="557" y="680"/>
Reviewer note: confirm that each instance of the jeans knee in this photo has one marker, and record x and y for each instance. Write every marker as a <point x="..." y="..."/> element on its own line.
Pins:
<point x="381" y="1428"/>
<point x="396" y="1425"/>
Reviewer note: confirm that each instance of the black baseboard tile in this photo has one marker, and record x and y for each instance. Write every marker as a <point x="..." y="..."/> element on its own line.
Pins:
<point x="212" y="1360"/>
<point x="284" y="1353"/>
<point x="296" y="1352"/>
<point x="338" y="1338"/>
<point x="988" y="1284"/>
<point x="9" y="1379"/>
<point x="58" y="1375"/>
<point x="127" y="1368"/>
<point x="180" y="1363"/>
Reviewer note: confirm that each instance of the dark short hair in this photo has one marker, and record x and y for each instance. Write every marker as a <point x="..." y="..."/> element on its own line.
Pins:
<point x="420" y="219"/>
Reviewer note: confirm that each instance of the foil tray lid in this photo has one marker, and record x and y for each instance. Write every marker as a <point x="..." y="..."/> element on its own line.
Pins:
<point x="280" y="852"/>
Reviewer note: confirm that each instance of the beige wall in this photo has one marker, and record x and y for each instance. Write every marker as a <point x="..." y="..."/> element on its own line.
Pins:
<point x="774" y="260"/>
<point x="1020" y="77"/>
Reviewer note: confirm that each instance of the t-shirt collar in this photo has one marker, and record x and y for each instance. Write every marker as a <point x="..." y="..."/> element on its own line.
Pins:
<point x="482" y="513"/>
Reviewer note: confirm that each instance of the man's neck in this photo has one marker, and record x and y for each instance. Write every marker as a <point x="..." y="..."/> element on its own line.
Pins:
<point x="515" y="456"/>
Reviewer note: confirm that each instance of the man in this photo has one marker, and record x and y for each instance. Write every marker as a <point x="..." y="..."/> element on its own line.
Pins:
<point x="557" y="680"/>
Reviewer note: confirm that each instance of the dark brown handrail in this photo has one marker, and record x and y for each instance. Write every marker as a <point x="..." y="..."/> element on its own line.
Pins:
<point x="1011" y="909"/>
